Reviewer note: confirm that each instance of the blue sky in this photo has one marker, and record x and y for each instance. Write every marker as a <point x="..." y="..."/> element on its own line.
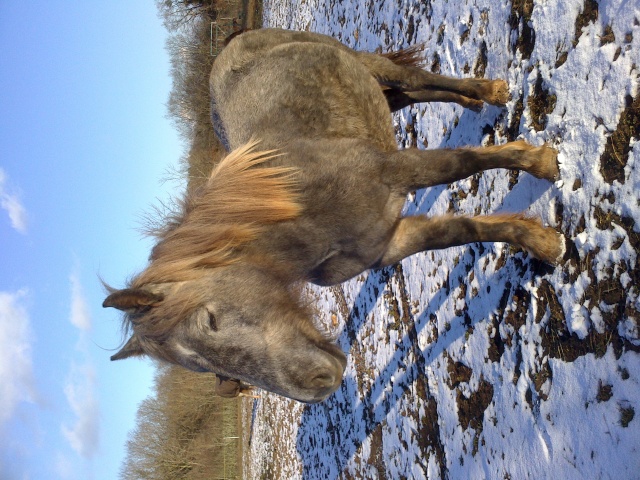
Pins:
<point x="84" y="145"/>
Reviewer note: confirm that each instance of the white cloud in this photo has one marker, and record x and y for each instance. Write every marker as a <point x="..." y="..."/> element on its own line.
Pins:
<point x="84" y="434"/>
<point x="80" y="387"/>
<point x="64" y="467"/>
<point x="16" y="369"/>
<point x="80" y="315"/>
<point x="11" y="203"/>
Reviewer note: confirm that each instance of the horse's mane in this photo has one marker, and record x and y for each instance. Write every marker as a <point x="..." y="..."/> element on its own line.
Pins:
<point x="238" y="200"/>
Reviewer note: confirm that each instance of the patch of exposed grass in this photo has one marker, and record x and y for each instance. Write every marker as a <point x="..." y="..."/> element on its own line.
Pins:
<point x="616" y="152"/>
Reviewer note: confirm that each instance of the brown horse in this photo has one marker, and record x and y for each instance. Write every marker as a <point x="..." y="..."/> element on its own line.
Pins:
<point x="321" y="202"/>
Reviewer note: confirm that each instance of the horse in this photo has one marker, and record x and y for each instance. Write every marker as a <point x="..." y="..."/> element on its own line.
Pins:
<point x="311" y="191"/>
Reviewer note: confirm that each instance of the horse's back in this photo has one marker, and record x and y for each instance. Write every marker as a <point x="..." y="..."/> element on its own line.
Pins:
<point x="276" y="84"/>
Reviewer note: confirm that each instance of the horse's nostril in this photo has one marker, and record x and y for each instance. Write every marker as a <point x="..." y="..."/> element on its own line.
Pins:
<point x="325" y="376"/>
<point x="322" y="380"/>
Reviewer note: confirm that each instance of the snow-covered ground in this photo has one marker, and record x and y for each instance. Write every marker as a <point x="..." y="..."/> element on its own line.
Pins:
<point x="478" y="362"/>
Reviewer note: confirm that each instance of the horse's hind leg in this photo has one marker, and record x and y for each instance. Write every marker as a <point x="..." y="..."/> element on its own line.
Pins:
<point x="398" y="99"/>
<point x="406" y="77"/>
<point x="412" y="169"/>
<point x="417" y="234"/>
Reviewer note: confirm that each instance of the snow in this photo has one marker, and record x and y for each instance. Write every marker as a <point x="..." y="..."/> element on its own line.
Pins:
<point x="476" y="362"/>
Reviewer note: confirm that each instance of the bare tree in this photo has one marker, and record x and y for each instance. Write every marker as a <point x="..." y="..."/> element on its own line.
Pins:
<point x="180" y="430"/>
<point x="178" y="13"/>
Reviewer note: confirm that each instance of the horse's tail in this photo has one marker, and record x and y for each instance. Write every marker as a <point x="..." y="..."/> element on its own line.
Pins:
<point x="407" y="57"/>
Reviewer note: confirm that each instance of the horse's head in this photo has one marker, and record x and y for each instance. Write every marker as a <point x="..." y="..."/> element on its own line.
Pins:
<point x="237" y="321"/>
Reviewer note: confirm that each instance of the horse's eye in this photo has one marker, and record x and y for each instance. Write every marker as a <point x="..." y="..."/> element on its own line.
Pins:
<point x="212" y="322"/>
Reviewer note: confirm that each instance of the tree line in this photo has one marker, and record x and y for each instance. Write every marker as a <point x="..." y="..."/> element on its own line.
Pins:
<point x="191" y="55"/>
<point x="183" y="430"/>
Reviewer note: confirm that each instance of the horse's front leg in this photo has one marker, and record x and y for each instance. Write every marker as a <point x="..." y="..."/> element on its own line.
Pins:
<point x="412" y="169"/>
<point x="417" y="234"/>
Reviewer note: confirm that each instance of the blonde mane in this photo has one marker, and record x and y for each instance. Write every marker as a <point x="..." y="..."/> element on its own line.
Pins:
<point x="238" y="200"/>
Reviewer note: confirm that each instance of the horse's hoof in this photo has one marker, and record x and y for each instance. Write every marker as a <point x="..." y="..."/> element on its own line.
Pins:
<point x="498" y="93"/>
<point x="546" y="164"/>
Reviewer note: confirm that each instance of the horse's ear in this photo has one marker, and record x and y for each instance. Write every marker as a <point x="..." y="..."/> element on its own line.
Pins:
<point x="132" y="300"/>
<point x="131" y="349"/>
